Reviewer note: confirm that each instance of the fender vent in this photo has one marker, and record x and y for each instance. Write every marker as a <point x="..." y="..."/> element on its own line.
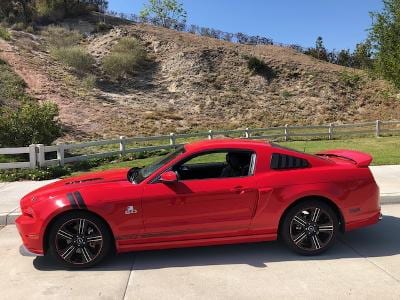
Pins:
<point x="283" y="162"/>
<point x="83" y="180"/>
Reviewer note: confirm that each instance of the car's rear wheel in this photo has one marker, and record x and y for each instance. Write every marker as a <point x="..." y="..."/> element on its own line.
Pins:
<point x="79" y="239"/>
<point x="310" y="227"/>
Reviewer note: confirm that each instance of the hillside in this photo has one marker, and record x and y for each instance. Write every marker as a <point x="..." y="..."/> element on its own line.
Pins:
<point x="191" y="83"/>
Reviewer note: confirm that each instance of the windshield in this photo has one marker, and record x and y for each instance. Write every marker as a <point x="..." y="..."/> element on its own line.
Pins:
<point x="142" y="174"/>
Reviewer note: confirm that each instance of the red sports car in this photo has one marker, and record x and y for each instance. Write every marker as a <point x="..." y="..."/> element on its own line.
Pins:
<point x="205" y="193"/>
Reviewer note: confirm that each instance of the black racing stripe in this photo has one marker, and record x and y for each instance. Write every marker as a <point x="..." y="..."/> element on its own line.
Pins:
<point x="80" y="201"/>
<point x="72" y="200"/>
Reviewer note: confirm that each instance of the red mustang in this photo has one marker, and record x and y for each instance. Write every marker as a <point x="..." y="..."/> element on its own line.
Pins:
<point x="205" y="193"/>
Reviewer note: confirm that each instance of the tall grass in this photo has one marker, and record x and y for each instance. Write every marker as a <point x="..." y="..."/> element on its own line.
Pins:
<point x="4" y="34"/>
<point x="124" y="59"/>
<point x="74" y="57"/>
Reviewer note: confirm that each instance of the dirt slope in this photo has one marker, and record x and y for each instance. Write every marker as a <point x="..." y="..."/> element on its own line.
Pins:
<point x="193" y="83"/>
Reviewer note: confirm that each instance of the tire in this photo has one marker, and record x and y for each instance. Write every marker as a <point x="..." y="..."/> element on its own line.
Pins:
<point x="79" y="240"/>
<point x="310" y="227"/>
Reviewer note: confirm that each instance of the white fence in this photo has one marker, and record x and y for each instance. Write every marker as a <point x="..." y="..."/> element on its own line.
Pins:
<point x="37" y="152"/>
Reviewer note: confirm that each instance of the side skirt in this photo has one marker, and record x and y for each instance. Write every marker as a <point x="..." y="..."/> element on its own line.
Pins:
<point x="197" y="243"/>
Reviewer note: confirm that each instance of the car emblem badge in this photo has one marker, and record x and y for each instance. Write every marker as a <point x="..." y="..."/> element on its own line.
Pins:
<point x="130" y="210"/>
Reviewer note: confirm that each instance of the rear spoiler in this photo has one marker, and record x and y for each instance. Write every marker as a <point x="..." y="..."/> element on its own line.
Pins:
<point x="360" y="159"/>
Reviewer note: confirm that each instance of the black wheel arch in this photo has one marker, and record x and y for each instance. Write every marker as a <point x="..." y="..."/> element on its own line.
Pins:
<point x="71" y="211"/>
<point x="325" y="200"/>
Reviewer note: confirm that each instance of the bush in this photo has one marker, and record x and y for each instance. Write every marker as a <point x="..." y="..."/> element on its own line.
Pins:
<point x="31" y="123"/>
<point x="74" y="57"/>
<point x="4" y="34"/>
<point x="59" y="37"/>
<point x="33" y="174"/>
<point x="12" y="86"/>
<point x="124" y="58"/>
<point x="103" y="27"/>
<point x="259" y="67"/>
<point x="350" y="79"/>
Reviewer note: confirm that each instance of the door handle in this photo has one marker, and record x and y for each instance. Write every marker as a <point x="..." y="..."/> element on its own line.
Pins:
<point x="238" y="190"/>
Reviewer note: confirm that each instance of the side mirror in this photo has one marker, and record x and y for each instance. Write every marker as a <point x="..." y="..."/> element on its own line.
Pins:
<point x="168" y="177"/>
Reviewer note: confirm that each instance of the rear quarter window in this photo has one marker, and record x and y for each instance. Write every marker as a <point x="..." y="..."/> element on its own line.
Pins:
<point x="281" y="161"/>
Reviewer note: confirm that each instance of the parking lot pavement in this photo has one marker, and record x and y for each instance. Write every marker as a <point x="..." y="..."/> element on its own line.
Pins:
<point x="364" y="264"/>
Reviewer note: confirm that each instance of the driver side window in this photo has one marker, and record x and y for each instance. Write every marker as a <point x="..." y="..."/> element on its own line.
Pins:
<point x="216" y="164"/>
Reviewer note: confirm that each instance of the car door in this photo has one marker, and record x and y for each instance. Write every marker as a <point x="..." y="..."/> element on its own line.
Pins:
<point x="213" y="206"/>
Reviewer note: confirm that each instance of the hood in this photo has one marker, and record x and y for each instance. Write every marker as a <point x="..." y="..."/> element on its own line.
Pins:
<point x="81" y="181"/>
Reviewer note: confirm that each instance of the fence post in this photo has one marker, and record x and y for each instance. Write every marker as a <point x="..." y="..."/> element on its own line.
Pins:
<point x="172" y="139"/>
<point x="32" y="156"/>
<point x="122" y="145"/>
<point x="286" y="132"/>
<point x="40" y="155"/>
<point x="60" y="154"/>
<point x="330" y="131"/>
<point x="210" y="135"/>
<point x="377" y="128"/>
<point x="247" y="133"/>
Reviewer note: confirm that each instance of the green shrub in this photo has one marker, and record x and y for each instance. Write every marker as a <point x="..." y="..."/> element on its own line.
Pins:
<point x="12" y="87"/>
<point x="19" y="26"/>
<point x="33" y="174"/>
<point x="103" y="27"/>
<point x="4" y="34"/>
<point x="350" y="79"/>
<point x="89" y="81"/>
<point x="30" y="123"/>
<point x="59" y="37"/>
<point x="74" y="57"/>
<point x="124" y="58"/>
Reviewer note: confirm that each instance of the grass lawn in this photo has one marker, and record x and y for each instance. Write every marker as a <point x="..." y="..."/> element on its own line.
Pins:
<point x="385" y="150"/>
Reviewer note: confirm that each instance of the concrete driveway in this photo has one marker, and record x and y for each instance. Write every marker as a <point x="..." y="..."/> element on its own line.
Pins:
<point x="364" y="264"/>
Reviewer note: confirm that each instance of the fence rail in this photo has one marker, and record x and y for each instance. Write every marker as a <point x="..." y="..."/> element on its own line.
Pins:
<point x="39" y="154"/>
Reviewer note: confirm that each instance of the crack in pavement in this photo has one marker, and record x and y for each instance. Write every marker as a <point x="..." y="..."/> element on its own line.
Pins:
<point x="129" y="278"/>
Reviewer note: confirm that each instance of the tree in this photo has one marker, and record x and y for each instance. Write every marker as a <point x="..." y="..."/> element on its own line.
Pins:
<point x="344" y="58"/>
<point x="385" y="39"/>
<point x="362" y="56"/>
<point x="319" y="51"/>
<point x="167" y="13"/>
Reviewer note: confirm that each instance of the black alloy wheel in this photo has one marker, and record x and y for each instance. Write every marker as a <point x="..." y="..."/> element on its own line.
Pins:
<point x="310" y="228"/>
<point x="79" y="240"/>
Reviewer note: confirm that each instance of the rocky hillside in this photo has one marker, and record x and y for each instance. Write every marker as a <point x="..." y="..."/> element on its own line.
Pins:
<point x="191" y="83"/>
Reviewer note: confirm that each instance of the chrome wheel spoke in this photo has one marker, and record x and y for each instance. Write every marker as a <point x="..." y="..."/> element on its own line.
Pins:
<point x="86" y="255"/>
<point x="97" y="238"/>
<point x="65" y="234"/>
<point x="67" y="253"/>
<point x="316" y="242"/>
<point x="82" y="225"/>
<point x="316" y="214"/>
<point x="300" y="238"/>
<point x="325" y="228"/>
<point x="299" y="221"/>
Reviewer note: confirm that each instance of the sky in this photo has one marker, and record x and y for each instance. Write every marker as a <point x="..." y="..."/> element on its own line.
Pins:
<point x="341" y="23"/>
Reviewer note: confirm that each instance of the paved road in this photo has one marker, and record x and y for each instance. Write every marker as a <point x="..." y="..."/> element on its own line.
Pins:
<point x="364" y="264"/>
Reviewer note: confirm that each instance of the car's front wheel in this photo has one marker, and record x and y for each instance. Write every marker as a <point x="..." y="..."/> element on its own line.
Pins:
<point x="79" y="239"/>
<point x="310" y="227"/>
